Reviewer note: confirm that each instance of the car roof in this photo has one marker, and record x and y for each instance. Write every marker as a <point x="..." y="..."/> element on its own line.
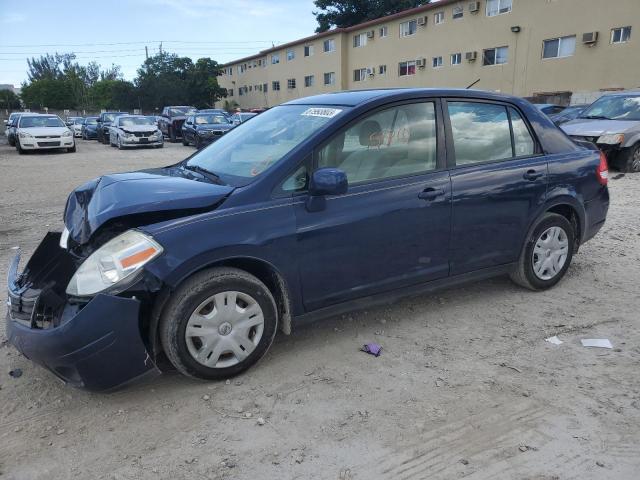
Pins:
<point x="357" y="97"/>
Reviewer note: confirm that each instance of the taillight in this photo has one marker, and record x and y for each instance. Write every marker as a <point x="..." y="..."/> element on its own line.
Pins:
<point x="602" y="172"/>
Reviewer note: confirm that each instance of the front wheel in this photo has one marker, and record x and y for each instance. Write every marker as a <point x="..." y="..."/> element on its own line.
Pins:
<point x="631" y="159"/>
<point x="546" y="254"/>
<point x="218" y="323"/>
<point x="18" y="147"/>
<point x="172" y="135"/>
<point x="72" y="149"/>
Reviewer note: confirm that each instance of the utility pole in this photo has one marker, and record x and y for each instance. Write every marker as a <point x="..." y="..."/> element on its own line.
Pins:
<point x="146" y="52"/>
<point x="160" y="48"/>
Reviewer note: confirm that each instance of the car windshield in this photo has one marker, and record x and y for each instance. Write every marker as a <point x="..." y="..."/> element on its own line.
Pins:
<point x="249" y="150"/>
<point x="108" y="117"/>
<point x="614" y="107"/>
<point x="40" y="121"/>
<point x="246" y="116"/>
<point x="131" y="121"/>
<point x="91" y="121"/>
<point x="79" y="121"/>
<point x="178" y="111"/>
<point x="210" y="118"/>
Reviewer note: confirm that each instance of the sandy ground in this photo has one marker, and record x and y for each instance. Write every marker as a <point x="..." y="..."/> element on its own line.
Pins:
<point x="466" y="385"/>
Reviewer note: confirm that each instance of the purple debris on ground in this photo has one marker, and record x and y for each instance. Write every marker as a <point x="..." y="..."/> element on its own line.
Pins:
<point x="372" y="348"/>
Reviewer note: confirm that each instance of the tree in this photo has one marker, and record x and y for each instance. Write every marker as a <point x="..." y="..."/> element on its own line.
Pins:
<point x="204" y="90"/>
<point x="113" y="95"/>
<point x="9" y="100"/>
<point x="47" y="92"/>
<point x="346" y="13"/>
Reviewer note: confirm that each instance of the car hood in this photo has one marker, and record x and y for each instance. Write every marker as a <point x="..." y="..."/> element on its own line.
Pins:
<point x="142" y="197"/>
<point x="586" y="127"/>
<point x="37" y="131"/>
<point x="214" y="126"/>
<point x="139" y="128"/>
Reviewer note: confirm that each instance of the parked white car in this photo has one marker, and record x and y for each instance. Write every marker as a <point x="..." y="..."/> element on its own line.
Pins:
<point x="135" y="131"/>
<point x="43" y="132"/>
<point x="76" y="127"/>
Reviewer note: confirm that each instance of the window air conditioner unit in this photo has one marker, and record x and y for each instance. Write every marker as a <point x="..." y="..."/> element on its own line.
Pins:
<point x="471" y="56"/>
<point x="590" y="38"/>
<point x="474" y="7"/>
<point x="370" y="34"/>
<point x="422" y="21"/>
<point x="421" y="62"/>
<point x="371" y="71"/>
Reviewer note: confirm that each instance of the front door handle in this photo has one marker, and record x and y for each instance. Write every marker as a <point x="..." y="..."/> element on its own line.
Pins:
<point x="532" y="175"/>
<point x="431" y="193"/>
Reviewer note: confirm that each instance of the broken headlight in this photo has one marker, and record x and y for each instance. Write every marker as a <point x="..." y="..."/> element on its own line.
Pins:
<point x="115" y="261"/>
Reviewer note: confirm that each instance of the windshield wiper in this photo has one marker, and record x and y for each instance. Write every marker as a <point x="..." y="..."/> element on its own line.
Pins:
<point x="596" y="117"/>
<point x="214" y="177"/>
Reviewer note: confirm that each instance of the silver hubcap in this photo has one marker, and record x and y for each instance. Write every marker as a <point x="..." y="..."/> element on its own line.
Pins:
<point x="550" y="253"/>
<point x="224" y="329"/>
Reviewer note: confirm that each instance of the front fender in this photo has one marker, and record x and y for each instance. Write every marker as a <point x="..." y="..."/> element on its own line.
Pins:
<point x="631" y="140"/>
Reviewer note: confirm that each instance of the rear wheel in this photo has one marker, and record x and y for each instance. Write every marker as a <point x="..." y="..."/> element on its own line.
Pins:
<point x="218" y="323"/>
<point x="546" y="254"/>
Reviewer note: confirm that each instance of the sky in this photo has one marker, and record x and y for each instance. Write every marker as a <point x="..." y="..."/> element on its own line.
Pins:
<point x="117" y="31"/>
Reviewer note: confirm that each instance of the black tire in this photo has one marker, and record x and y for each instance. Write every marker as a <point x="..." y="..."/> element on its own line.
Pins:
<point x="185" y="142"/>
<point x="160" y="146"/>
<point x="172" y="135"/>
<point x="524" y="274"/>
<point x="72" y="149"/>
<point x="630" y="159"/>
<point x="18" y="147"/>
<point x="198" y="143"/>
<point x="12" y="141"/>
<point x="192" y="293"/>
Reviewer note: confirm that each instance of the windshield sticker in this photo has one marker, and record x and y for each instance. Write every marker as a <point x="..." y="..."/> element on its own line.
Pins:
<point x="321" y="112"/>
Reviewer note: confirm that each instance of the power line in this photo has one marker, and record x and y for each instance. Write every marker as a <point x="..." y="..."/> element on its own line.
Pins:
<point x="137" y="43"/>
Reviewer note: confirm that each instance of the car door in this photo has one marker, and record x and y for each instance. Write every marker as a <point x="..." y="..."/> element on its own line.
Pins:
<point x="498" y="178"/>
<point x="392" y="227"/>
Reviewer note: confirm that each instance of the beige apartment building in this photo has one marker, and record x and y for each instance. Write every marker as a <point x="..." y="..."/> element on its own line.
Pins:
<point x="559" y="51"/>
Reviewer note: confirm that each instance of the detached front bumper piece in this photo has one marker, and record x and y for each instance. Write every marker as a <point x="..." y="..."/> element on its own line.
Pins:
<point x="95" y="345"/>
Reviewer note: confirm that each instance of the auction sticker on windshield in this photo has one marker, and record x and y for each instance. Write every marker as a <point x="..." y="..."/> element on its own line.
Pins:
<point x="321" y="112"/>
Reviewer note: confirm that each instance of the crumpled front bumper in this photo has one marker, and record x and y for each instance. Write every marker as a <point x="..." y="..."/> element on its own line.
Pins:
<point x="95" y="345"/>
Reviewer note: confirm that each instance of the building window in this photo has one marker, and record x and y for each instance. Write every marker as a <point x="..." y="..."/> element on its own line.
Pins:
<point x="621" y="35"/>
<point x="407" y="68"/>
<point x="264" y="62"/>
<point x="264" y="87"/>
<point x="275" y="86"/>
<point x="359" y="40"/>
<point x="308" y="50"/>
<point x="251" y="88"/>
<point x="230" y="92"/>
<point x="384" y="31"/>
<point x="329" y="45"/>
<point x="309" y="80"/>
<point x="275" y="58"/>
<point x="438" y="18"/>
<point x="330" y="78"/>
<point x="437" y="62"/>
<point x="360" y="75"/>
<point x="456" y="58"/>
<point x="291" y="54"/>
<point x="408" y="28"/>
<point x="291" y="83"/>
<point x="498" y="7"/>
<point x="382" y="70"/>
<point x="495" y="56"/>
<point x="458" y="12"/>
<point x="559" y="47"/>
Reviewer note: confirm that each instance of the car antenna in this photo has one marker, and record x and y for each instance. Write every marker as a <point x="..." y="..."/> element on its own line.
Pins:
<point x="472" y="84"/>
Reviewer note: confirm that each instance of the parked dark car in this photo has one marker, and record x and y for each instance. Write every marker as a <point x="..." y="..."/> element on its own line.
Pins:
<point x="570" y="113"/>
<point x="201" y="129"/>
<point x="215" y="110"/>
<point x="104" y="122"/>
<point x="241" y="117"/>
<point x="171" y="120"/>
<point x="612" y="123"/>
<point x="90" y="128"/>
<point x="313" y="208"/>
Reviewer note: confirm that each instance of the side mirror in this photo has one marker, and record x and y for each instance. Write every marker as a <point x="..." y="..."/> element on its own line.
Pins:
<point x="324" y="182"/>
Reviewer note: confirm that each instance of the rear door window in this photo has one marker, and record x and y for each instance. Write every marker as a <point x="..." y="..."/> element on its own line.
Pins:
<point x="485" y="132"/>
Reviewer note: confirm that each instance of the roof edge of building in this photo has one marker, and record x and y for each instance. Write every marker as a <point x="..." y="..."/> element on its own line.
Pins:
<point x="327" y="33"/>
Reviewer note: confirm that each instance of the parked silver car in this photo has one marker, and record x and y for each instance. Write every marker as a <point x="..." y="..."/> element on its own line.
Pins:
<point x="134" y="131"/>
<point x="612" y="123"/>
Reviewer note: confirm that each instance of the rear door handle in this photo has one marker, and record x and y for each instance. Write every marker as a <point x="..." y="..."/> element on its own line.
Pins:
<point x="431" y="193"/>
<point x="532" y="175"/>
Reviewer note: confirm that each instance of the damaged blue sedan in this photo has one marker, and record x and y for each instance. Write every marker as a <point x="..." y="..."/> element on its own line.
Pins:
<point x="316" y="207"/>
